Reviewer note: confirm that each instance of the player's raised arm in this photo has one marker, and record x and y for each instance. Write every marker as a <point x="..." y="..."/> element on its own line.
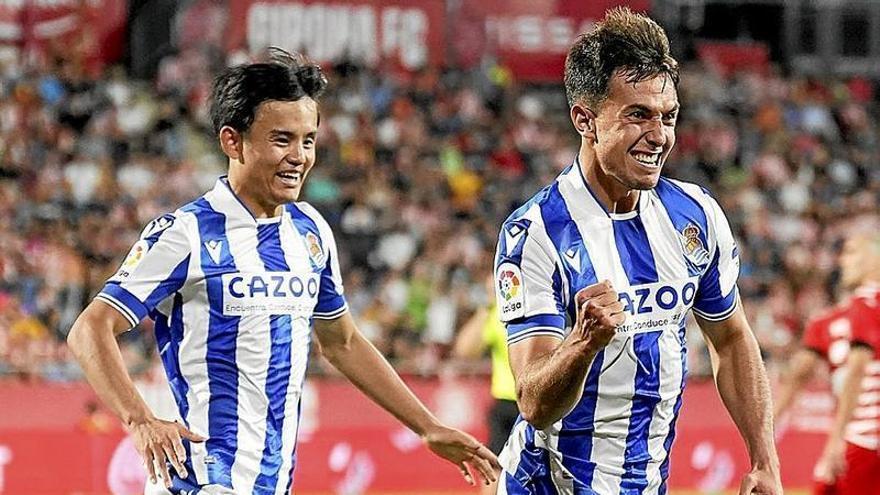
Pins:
<point x="356" y="358"/>
<point x="550" y="374"/>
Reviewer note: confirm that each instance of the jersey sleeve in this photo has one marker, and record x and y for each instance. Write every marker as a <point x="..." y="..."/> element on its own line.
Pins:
<point x="331" y="295"/>
<point x="864" y="314"/>
<point x="156" y="267"/>
<point x="527" y="284"/>
<point x="717" y="295"/>
<point x="813" y="336"/>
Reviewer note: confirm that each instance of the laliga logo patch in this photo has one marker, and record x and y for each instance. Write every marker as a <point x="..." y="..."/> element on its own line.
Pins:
<point x="315" y="251"/>
<point x="132" y="260"/>
<point x="693" y="247"/>
<point x="508" y="284"/>
<point x="510" y="291"/>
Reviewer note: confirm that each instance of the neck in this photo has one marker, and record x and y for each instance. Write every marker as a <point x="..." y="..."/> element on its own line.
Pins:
<point x="615" y="196"/>
<point x="259" y="209"/>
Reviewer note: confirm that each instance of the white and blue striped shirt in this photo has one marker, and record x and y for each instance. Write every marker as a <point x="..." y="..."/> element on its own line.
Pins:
<point x="673" y="253"/>
<point x="233" y="299"/>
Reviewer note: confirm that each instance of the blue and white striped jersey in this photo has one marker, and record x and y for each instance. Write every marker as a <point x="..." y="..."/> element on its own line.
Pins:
<point x="233" y="299"/>
<point x="674" y="253"/>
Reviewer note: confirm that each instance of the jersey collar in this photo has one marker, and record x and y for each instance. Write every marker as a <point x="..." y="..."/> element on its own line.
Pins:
<point x="575" y="175"/>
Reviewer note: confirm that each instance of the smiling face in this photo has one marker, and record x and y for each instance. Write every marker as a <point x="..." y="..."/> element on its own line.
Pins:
<point x="635" y="130"/>
<point x="270" y="161"/>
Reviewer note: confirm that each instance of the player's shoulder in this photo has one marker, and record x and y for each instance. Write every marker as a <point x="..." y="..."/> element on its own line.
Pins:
<point x="170" y="223"/>
<point x="538" y="208"/>
<point x="302" y="209"/>
<point x="865" y="297"/>
<point x="683" y="194"/>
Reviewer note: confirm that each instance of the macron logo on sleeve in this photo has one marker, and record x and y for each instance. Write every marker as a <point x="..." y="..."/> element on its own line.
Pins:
<point x="214" y="248"/>
<point x="513" y="235"/>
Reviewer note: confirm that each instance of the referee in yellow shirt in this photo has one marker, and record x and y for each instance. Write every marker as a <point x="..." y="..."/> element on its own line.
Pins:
<point x="483" y="331"/>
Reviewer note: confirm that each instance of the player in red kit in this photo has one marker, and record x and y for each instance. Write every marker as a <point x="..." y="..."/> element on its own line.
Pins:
<point x="827" y="339"/>
<point x="826" y="342"/>
<point x="851" y="458"/>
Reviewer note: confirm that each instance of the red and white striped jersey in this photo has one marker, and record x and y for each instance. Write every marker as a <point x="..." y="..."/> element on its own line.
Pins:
<point x="864" y="428"/>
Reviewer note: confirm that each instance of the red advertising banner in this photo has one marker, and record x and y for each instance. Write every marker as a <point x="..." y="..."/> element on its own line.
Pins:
<point x="400" y="34"/>
<point x="91" y="29"/>
<point x="529" y="37"/>
<point x="52" y="442"/>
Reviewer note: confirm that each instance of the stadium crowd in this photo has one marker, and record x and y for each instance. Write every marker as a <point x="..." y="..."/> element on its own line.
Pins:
<point x="415" y="174"/>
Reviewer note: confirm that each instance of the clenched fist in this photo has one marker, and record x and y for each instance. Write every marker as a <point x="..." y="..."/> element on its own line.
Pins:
<point x="599" y="313"/>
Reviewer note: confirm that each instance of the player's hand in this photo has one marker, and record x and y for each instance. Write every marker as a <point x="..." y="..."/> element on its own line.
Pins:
<point x="159" y="442"/>
<point x="832" y="462"/>
<point x="599" y="313"/>
<point x="761" y="481"/>
<point x="464" y="451"/>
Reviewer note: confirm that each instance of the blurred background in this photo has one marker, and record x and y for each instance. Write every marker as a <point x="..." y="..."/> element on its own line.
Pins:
<point x="441" y="118"/>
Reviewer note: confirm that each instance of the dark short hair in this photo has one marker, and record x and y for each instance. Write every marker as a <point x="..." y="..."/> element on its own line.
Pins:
<point x="283" y="76"/>
<point x="623" y="41"/>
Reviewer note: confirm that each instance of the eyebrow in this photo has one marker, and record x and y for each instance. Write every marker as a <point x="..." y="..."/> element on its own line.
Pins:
<point x="288" y="134"/>
<point x="637" y="106"/>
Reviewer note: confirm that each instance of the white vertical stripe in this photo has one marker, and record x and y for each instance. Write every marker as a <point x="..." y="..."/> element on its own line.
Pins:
<point x="663" y="238"/>
<point x="193" y="352"/>
<point x="253" y="346"/>
<point x="539" y="232"/>
<point x="297" y="258"/>
<point x="512" y="452"/>
<point x="670" y="263"/>
<point x="617" y="380"/>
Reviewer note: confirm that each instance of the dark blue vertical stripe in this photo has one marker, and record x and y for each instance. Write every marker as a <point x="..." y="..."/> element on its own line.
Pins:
<point x="645" y="399"/>
<point x="169" y="334"/>
<point x="222" y="440"/>
<point x="278" y="375"/>
<point x="170" y="285"/>
<point x="576" y="444"/>
<point x="634" y="249"/>
<point x="683" y="210"/>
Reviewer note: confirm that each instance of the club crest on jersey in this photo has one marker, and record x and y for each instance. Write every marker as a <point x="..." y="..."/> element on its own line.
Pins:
<point x="315" y="251"/>
<point x="694" y="250"/>
<point x="510" y="291"/>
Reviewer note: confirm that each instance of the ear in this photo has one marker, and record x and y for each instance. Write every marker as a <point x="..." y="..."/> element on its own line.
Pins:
<point x="584" y="121"/>
<point x="231" y="141"/>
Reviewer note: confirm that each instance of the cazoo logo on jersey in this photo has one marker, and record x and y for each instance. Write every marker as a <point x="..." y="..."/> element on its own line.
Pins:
<point x="269" y="293"/>
<point x="657" y="306"/>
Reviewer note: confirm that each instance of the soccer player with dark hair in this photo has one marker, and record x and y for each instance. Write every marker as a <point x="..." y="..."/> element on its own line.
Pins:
<point x="595" y="276"/>
<point x="233" y="281"/>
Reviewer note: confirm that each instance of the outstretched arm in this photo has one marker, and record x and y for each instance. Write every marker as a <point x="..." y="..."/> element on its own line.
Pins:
<point x="356" y="358"/>
<point x="92" y="340"/>
<point x="800" y="371"/>
<point x="742" y="382"/>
